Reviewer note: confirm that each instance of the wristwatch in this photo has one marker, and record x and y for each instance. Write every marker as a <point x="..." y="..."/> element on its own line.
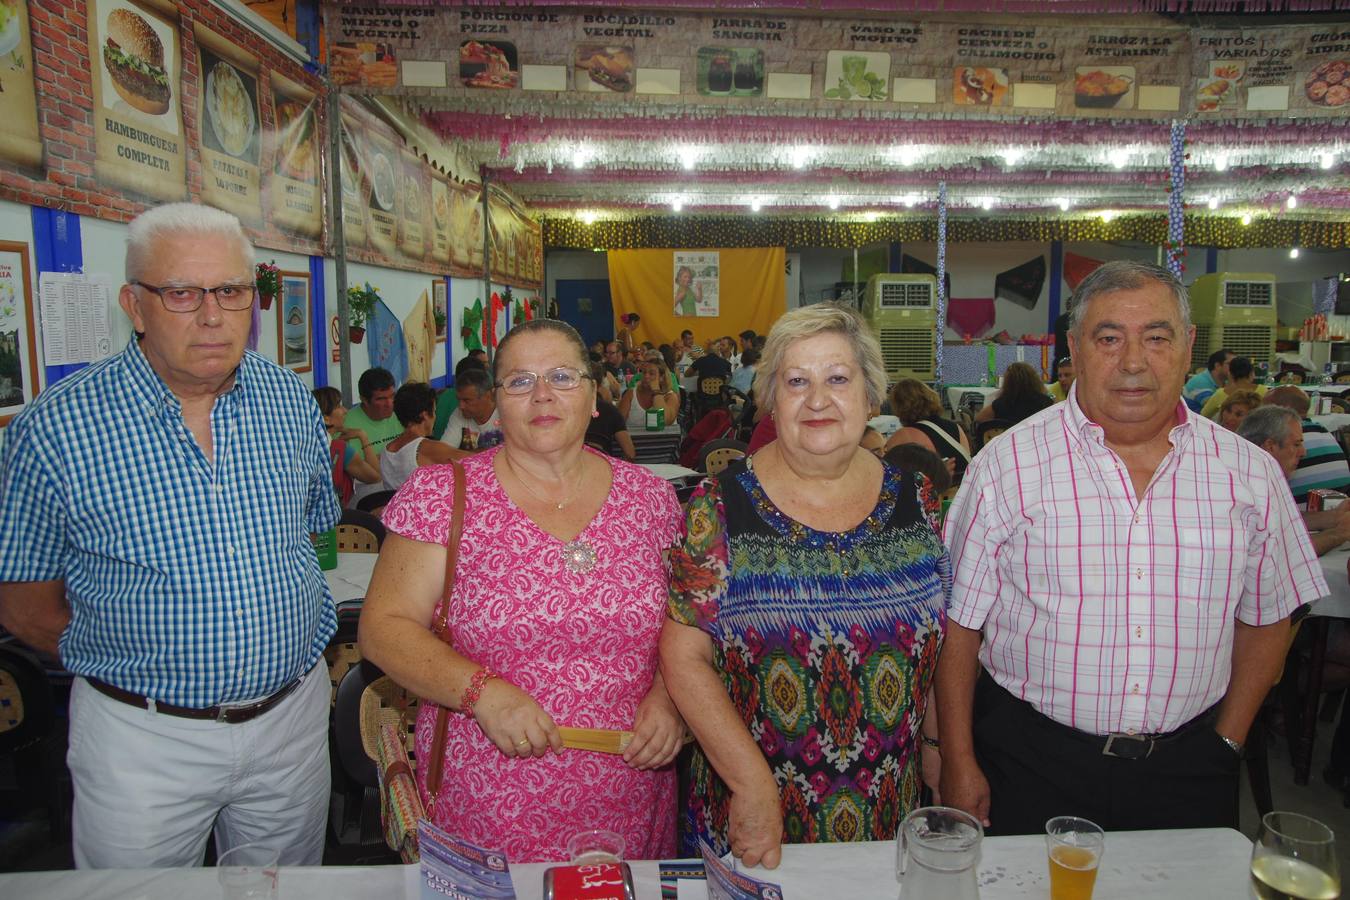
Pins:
<point x="1232" y="744"/>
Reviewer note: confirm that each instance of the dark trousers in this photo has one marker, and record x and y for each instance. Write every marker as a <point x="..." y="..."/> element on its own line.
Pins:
<point x="1038" y="769"/>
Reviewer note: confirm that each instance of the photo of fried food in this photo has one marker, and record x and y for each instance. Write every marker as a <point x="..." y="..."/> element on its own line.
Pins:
<point x="296" y="157"/>
<point x="609" y="67"/>
<point x="979" y="86"/>
<point x="1329" y="84"/>
<point x="231" y="110"/>
<point x="488" y="64"/>
<point x="1096" y="88"/>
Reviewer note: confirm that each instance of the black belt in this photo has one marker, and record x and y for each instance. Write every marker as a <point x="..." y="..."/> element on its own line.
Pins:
<point x="1121" y="745"/>
<point x="230" y="715"/>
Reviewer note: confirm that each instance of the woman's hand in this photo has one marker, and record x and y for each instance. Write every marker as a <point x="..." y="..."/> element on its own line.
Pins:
<point x="658" y="732"/>
<point x="756" y="826"/>
<point x="513" y="721"/>
<point x="353" y="434"/>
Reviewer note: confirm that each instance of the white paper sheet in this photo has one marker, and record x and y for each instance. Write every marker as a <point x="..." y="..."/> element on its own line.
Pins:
<point x="76" y="325"/>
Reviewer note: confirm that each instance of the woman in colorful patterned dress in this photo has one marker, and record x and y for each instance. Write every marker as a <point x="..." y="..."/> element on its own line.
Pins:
<point x="556" y="611"/>
<point x="808" y="606"/>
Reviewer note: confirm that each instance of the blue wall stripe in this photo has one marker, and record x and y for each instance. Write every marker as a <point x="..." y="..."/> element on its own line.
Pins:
<point x="318" y="322"/>
<point x="1211" y="260"/>
<point x="57" y="248"/>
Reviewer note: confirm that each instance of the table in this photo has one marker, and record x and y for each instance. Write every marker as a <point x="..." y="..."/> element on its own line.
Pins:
<point x="954" y="394"/>
<point x="1332" y="422"/>
<point x="1193" y="864"/>
<point x="352" y="576"/>
<point x="671" y="472"/>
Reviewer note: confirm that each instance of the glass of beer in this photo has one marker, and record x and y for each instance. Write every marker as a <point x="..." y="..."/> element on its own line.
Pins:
<point x="1294" y="858"/>
<point x="1075" y="849"/>
<point x="589" y="848"/>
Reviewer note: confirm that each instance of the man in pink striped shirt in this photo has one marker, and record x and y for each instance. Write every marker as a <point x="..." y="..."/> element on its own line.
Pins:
<point x="1125" y="571"/>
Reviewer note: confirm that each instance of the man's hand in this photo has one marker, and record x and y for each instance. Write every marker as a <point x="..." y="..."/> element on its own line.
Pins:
<point x="964" y="787"/>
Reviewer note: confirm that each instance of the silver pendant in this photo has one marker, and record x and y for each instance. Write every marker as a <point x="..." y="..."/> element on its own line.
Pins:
<point x="578" y="556"/>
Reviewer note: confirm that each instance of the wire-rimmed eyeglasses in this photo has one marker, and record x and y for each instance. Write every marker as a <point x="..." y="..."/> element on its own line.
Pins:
<point x="186" y="298"/>
<point x="563" y="378"/>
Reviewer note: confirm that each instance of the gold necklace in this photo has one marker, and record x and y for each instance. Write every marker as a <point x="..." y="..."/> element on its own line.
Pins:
<point x="559" y="505"/>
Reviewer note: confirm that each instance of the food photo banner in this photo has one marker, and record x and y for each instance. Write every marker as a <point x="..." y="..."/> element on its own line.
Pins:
<point x="1113" y="68"/>
<point x="20" y="142"/>
<point x="402" y="213"/>
<point x="231" y="147"/>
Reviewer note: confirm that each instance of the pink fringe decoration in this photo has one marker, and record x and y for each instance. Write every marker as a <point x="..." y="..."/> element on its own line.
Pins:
<point x="900" y="7"/>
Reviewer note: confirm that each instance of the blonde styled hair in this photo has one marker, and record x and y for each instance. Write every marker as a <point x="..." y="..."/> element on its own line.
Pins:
<point x="913" y="401"/>
<point x="807" y="322"/>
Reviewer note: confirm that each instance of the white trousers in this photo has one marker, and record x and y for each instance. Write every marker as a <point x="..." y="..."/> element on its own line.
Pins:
<point x="150" y="787"/>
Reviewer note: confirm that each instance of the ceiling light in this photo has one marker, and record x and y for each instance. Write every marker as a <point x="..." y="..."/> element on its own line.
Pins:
<point x="1108" y="215"/>
<point x="755" y="204"/>
<point x="586" y="216"/>
<point x="1120" y="159"/>
<point x="689" y="157"/>
<point x="1291" y="201"/>
<point x="1328" y="160"/>
<point x="800" y="155"/>
<point x="906" y="156"/>
<point x="871" y="216"/>
<point x="986" y="203"/>
<point x="1246" y="219"/>
<point x="1213" y="203"/>
<point x="580" y="157"/>
<point x="910" y="200"/>
<point x="1221" y="162"/>
<point x="1293" y="253"/>
<point x="833" y="202"/>
<point x="1064" y="204"/>
<point x="677" y="204"/>
<point x="1012" y="156"/>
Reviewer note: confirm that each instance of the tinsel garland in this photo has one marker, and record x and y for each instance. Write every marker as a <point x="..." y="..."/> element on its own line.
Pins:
<point x="717" y="231"/>
<point x="941" y="276"/>
<point x="1019" y="7"/>
<point x="1176" y="201"/>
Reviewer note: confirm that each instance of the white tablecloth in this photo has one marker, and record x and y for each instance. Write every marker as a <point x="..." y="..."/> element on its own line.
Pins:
<point x="670" y="471"/>
<point x="1337" y="604"/>
<point x="1333" y="421"/>
<point x="352" y="575"/>
<point x="1202" y="864"/>
<point x="954" y="394"/>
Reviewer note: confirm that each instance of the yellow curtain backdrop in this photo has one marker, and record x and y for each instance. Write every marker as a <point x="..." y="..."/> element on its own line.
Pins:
<point x="750" y="292"/>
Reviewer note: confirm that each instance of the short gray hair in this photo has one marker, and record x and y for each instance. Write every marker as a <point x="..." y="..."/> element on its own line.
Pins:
<point x="809" y="321"/>
<point x="174" y="219"/>
<point x="1270" y="423"/>
<point x="1126" y="275"/>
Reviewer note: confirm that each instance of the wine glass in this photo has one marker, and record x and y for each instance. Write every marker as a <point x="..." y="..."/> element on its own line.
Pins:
<point x="1294" y="859"/>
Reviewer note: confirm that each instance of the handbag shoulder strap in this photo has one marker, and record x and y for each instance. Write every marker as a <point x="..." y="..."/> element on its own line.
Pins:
<point x="951" y="441"/>
<point x="440" y="623"/>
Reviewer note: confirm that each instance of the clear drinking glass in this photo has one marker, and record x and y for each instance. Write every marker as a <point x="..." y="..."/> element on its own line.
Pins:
<point x="1074" y="847"/>
<point x="591" y="847"/>
<point x="1294" y="858"/>
<point x="248" y="872"/>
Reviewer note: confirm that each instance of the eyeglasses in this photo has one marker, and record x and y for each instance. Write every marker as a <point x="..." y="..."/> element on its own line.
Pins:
<point x="186" y="299"/>
<point x="563" y="378"/>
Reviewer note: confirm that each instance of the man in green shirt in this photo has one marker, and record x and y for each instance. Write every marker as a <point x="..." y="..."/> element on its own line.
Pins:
<point x="375" y="416"/>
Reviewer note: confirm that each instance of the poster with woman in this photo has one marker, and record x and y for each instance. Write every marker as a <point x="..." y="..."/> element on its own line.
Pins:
<point x="18" y="332"/>
<point x="696" y="283"/>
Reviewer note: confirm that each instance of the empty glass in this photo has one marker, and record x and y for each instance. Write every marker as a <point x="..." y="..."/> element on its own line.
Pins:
<point x="591" y="847"/>
<point x="248" y="872"/>
<point x="1294" y="858"/>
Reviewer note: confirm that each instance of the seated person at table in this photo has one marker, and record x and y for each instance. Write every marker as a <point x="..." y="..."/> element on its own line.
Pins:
<point x="714" y="363"/>
<point x="1202" y="385"/>
<point x="1241" y="377"/>
<point x="1059" y="391"/>
<point x="447" y="401"/>
<point x="1278" y="431"/>
<point x="1021" y="396"/>
<point x="607" y="431"/>
<point x="349" y="465"/>
<point x="873" y="442"/>
<point x="1323" y="464"/>
<point x="1236" y="408"/>
<point x="472" y="426"/>
<point x="743" y="379"/>
<point x="653" y="390"/>
<point x="913" y="458"/>
<point x="415" y="406"/>
<point x="555" y="612"/>
<point x="919" y="409"/>
<point x="804" y="576"/>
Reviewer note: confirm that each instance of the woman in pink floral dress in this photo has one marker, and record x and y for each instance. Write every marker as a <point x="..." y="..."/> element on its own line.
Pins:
<point x="557" y="606"/>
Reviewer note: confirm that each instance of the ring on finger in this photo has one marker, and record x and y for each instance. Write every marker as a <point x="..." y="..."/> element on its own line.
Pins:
<point x="523" y="742"/>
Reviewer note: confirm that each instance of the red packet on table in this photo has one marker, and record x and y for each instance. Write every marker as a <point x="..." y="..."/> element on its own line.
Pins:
<point x="595" y="881"/>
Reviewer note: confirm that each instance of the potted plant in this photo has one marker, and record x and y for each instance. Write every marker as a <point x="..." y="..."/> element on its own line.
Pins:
<point x="360" y="309"/>
<point x="439" y="316"/>
<point x="268" y="278"/>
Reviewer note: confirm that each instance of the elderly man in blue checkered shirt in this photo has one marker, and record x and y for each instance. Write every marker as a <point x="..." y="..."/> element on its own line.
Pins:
<point x="157" y="508"/>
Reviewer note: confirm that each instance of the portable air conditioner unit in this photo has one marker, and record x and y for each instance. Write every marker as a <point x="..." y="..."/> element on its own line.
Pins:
<point x="902" y="311"/>
<point x="1233" y="310"/>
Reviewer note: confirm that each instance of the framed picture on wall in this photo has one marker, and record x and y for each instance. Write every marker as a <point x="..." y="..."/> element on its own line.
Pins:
<point x="18" y="332"/>
<point x="439" y="309"/>
<point x="293" y="331"/>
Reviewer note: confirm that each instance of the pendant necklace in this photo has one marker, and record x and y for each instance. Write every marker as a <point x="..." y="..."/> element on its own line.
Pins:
<point x="578" y="556"/>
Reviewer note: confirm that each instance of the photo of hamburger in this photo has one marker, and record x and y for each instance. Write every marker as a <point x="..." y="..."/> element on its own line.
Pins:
<point x="134" y="58"/>
<point x="609" y="67"/>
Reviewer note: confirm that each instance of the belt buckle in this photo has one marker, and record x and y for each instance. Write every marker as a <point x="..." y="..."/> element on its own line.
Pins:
<point x="1128" y="746"/>
<point x="223" y="715"/>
